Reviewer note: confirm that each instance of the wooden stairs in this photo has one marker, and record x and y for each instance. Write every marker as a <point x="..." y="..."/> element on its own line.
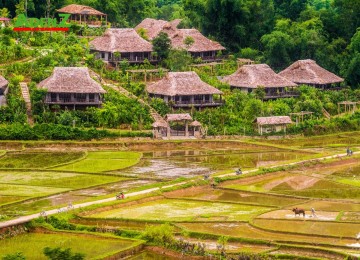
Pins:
<point x="26" y="96"/>
<point x="326" y="113"/>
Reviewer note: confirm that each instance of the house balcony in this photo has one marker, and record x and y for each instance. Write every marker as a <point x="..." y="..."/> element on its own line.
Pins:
<point x="281" y="95"/>
<point x="198" y="103"/>
<point x="69" y="101"/>
<point x="133" y="60"/>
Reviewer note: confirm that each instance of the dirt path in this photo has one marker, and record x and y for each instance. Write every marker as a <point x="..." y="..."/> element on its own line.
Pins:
<point x="28" y="218"/>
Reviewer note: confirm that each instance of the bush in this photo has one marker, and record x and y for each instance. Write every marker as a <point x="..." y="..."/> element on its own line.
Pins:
<point x="160" y="235"/>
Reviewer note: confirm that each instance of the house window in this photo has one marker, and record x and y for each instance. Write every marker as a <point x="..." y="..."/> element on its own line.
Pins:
<point x="103" y="55"/>
<point x="65" y="97"/>
<point x="92" y="97"/>
<point x="80" y="97"/>
<point x="53" y="97"/>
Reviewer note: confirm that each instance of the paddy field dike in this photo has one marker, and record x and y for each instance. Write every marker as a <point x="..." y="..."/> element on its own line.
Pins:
<point x="182" y="198"/>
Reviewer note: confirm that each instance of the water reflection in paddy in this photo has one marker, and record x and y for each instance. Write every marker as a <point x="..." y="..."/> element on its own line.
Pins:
<point x="174" y="164"/>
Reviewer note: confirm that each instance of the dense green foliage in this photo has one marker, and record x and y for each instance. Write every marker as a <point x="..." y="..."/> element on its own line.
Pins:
<point x="274" y="31"/>
<point x="59" y="253"/>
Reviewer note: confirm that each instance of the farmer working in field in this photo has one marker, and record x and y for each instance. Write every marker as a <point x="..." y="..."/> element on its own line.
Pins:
<point x="313" y="212"/>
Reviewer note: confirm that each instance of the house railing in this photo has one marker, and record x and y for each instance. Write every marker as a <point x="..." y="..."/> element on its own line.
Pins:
<point x="200" y="102"/>
<point x="136" y="59"/>
<point x="282" y="94"/>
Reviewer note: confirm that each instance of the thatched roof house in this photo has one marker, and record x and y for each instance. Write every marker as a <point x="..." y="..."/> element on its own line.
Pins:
<point x="83" y="14"/>
<point x="201" y="43"/>
<point x="249" y="77"/>
<point x="3" y="90"/>
<point x="184" y="89"/>
<point x="178" y="117"/>
<point x="72" y="86"/>
<point x="124" y="41"/>
<point x="201" y="47"/>
<point x="273" y="120"/>
<point x="3" y="85"/>
<point x="152" y="27"/>
<point x="79" y="9"/>
<point x="272" y="124"/>
<point x="310" y="73"/>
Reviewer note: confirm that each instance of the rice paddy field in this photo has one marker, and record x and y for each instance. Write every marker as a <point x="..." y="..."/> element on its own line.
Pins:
<point x="184" y="210"/>
<point x="103" y="162"/>
<point x="94" y="247"/>
<point x="254" y="211"/>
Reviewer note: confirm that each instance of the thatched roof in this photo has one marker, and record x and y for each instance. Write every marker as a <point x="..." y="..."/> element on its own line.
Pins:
<point x="79" y="9"/>
<point x="273" y="120"/>
<point x="309" y="72"/>
<point x="153" y="27"/>
<point x="253" y="76"/>
<point x="3" y="82"/>
<point x="160" y="124"/>
<point x="178" y="117"/>
<point x="195" y="123"/>
<point x="120" y="40"/>
<point x="71" y="80"/>
<point x="181" y="83"/>
<point x="201" y="43"/>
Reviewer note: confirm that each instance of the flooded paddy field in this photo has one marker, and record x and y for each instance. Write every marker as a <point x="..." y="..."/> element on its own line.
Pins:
<point x="256" y="208"/>
<point x="189" y="163"/>
<point x="183" y="210"/>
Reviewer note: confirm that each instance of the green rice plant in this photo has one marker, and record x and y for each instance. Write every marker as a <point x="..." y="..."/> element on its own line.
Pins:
<point x="25" y="160"/>
<point x="103" y="162"/>
<point x="94" y="246"/>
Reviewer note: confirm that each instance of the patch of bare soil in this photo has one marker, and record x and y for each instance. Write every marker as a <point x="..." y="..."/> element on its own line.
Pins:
<point x="189" y="192"/>
<point x="328" y="168"/>
<point x="257" y="178"/>
<point x="298" y="182"/>
<point x="288" y="214"/>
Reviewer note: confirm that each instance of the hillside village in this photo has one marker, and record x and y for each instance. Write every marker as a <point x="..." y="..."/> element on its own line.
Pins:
<point x="179" y="129"/>
<point x="167" y="69"/>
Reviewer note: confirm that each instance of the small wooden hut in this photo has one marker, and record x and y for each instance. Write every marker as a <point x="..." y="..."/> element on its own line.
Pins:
<point x="249" y="77"/>
<point x="201" y="47"/>
<point x="176" y="126"/>
<point x="122" y="44"/>
<point x="82" y="14"/>
<point x="308" y="72"/>
<point x="272" y="124"/>
<point x="4" y="89"/>
<point x="185" y="90"/>
<point x="72" y="87"/>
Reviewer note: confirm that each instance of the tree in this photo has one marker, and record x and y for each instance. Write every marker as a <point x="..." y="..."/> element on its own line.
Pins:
<point x="162" y="45"/>
<point x="178" y="60"/>
<point x="16" y="256"/>
<point x="63" y="254"/>
<point x="260" y="92"/>
<point x="188" y="41"/>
